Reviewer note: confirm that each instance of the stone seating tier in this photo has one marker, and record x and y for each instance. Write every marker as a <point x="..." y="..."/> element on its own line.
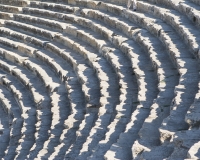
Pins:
<point x="92" y="80"/>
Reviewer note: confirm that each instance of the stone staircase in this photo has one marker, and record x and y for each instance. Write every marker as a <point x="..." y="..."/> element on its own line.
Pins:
<point x="91" y="80"/>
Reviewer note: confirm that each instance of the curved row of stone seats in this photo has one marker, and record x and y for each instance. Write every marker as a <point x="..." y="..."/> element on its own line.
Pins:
<point x="27" y="105"/>
<point x="43" y="11"/>
<point x="81" y="135"/>
<point x="192" y="116"/>
<point x="189" y="80"/>
<point x="186" y="142"/>
<point x="62" y="109"/>
<point x="10" y="9"/>
<point x="36" y="11"/>
<point x="196" y="75"/>
<point x="187" y="31"/>
<point x="53" y="6"/>
<point x="141" y="87"/>
<point x="27" y="130"/>
<point x="5" y="130"/>
<point x="104" y="88"/>
<point x="18" y="129"/>
<point x="166" y="3"/>
<point x="8" y="102"/>
<point x="14" y="113"/>
<point x="57" y="98"/>
<point x="177" y="58"/>
<point x="107" y="144"/>
<point x="20" y="3"/>
<point x="86" y="22"/>
<point x="6" y="15"/>
<point x="171" y="90"/>
<point x="191" y="10"/>
<point x="42" y="73"/>
<point x="40" y="97"/>
<point x="139" y="38"/>
<point x="56" y="62"/>
<point x="56" y="49"/>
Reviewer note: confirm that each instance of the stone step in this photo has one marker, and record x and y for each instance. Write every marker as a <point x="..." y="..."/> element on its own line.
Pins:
<point x="56" y="49"/>
<point x="10" y="9"/>
<point x="8" y="103"/>
<point x="192" y="116"/>
<point x="166" y="3"/>
<point x="184" y="60"/>
<point x="122" y="148"/>
<point x="30" y="29"/>
<point x="42" y="104"/>
<point x="79" y="42"/>
<point x="187" y="31"/>
<point x="23" y="100"/>
<point x="63" y="70"/>
<point x="82" y="134"/>
<point x="37" y="90"/>
<point x="53" y="6"/>
<point x="6" y="15"/>
<point x="107" y="56"/>
<point x="43" y="127"/>
<point x="5" y="130"/>
<point x="20" y="3"/>
<point x="58" y="99"/>
<point x="159" y="110"/>
<point x="41" y="54"/>
<point x="42" y="73"/>
<point x="126" y="72"/>
<point x="190" y="10"/>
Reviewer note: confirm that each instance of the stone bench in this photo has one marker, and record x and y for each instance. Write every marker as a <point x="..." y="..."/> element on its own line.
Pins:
<point x="53" y="6"/>
<point x="5" y="15"/>
<point x="50" y="47"/>
<point x="191" y="11"/>
<point x="20" y="3"/>
<point x="181" y="24"/>
<point x="54" y="103"/>
<point x="28" y="28"/>
<point x="10" y="9"/>
<point x="23" y="102"/>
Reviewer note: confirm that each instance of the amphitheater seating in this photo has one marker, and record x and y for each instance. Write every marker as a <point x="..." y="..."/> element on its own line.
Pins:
<point x="94" y="80"/>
